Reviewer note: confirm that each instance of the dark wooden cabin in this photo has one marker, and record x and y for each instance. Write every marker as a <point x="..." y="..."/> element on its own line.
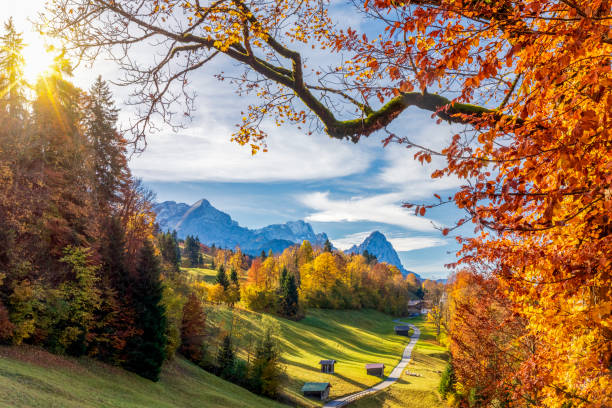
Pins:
<point x="327" y="366"/>
<point x="402" y="330"/>
<point x="377" y="369"/>
<point x="317" y="390"/>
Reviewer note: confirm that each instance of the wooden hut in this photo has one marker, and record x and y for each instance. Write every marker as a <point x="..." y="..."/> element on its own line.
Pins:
<point x="377" y="369"/>
<point x="415" y="307"/>
<point x="327" y="366"/>
<point x="402" y="330"/>
<point x="319" y="390"/>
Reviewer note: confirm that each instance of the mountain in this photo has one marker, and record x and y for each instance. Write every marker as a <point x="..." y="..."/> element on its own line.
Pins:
<point x="376" y="244"/>
<point x="213" y="226"/>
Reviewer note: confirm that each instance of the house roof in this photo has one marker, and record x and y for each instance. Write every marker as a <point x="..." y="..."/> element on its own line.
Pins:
<point x="402" y="327"/>
<point x="327" y="362"/>
<point x="315" y="386"/>
<point x="375" y="365"/>
<point x="415" y="302"/>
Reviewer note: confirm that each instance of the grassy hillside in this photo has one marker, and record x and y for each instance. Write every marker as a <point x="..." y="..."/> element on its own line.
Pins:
<point x="30" y="377"/>
<point x="353" y="338"/>
<point x="428" y="360"/>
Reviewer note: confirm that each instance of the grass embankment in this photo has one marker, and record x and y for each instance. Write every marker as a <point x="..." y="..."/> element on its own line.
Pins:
<point x="352" y="338"/>
<point x="30" y="377"/>
<point x="428" y="360"/>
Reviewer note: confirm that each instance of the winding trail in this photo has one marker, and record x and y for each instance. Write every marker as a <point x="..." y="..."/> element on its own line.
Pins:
<point x="393" y="377"/>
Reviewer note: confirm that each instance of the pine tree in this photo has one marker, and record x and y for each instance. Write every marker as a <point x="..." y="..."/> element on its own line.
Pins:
<point x="226" y="357"/>
<point x="327" y="247"/>
<point x="265" y="370"/>
<point x="234" y="276"/>
<point x="263" y="255"/>
<point x="289" y="298"/>
<point x="222" y="278"/>
<point x="107" y="144"/>
<point x="192" y="250"/>
<point x="146" y="352"/>
<point x="169" y="248"/>
<point x="12" y="82"/>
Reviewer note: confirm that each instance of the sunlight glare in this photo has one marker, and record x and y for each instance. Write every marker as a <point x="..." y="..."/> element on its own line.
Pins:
<point x="38" y="59"/>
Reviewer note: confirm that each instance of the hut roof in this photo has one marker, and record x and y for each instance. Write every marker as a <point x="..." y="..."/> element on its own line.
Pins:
<point x="327" y="362"/>
<point x="414" y="302"/>
<point x="315" y="386"/>
<point x="375" y="365"/>
<point x="402" y="327"/>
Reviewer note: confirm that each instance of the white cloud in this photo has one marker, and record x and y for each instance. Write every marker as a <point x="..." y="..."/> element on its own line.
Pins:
<point x="413" y="243"/>
<point x="384" y="208"/>
<point x="206" y="154"/>
<point x="348" y="241"/>
<point x="403" y="172"/>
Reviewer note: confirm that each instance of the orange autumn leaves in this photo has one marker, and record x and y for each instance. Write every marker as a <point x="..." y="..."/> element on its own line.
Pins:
<point x="541" y="175"/>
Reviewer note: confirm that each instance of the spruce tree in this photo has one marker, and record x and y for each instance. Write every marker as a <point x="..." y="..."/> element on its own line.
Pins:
<point x="289" y="298"/>
<point x="108" y="145"/>
<point x="192" y="250"/>
<point x="226" y="357"/>
<point x="222" y="278"/>
<point x="234" y="276"/>
<point x="327" y="247"/>
<point x="146" y="352"/>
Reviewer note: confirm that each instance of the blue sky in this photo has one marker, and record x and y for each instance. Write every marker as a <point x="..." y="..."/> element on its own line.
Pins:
<point x="346" y="190"/>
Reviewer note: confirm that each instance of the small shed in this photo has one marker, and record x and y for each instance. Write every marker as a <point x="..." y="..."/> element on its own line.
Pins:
<point x="377" y="369"/>
<point x="415" y="307"/>
<point x="327" y="366"/>
<point x="402" y="330"/>
<point x="319" y="390"/>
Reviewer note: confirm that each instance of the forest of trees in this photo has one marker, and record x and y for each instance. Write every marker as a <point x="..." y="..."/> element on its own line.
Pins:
<point x="84" y="271"/>
<point x="528" y="82"/>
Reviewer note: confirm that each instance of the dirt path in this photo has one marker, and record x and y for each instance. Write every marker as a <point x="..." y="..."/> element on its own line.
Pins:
<point x="393" y="377"/>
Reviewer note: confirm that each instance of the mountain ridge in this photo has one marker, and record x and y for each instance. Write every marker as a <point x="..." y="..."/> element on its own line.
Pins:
<point x="213" y="226"/>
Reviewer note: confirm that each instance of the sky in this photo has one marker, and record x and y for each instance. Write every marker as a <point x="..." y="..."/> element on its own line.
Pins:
<point x="343" y="189"/>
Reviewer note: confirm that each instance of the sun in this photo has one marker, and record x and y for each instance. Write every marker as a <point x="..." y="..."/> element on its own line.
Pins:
<point x="38" y="58"/>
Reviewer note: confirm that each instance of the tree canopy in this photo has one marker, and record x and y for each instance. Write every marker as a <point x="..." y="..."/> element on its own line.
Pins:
<point x="529" y="79"/>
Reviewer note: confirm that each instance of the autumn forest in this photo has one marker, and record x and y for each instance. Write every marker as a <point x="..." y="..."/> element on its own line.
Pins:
<point x="88" y="274"/>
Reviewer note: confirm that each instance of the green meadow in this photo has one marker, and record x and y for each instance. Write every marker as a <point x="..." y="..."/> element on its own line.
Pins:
<point x="32" y="378"/>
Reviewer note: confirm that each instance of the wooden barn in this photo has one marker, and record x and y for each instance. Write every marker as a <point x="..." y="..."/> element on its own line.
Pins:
<point x="377" y="369"/>
<point x="402" y="330"/>
<point x="319" y="390"/>
<point x="415" y="307"/>
<point x="327" y="366"/>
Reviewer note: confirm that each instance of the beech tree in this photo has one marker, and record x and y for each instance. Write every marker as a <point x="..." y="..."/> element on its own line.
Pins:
<point x="529" y="79"/>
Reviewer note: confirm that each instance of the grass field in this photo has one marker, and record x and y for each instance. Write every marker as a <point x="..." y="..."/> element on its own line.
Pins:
<point x="30" y="377"/>
<point x="428" y="360"/>
<point x="352" y="338"/>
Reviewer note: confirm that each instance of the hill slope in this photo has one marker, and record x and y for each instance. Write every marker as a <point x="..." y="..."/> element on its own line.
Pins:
<point x="31" y="377"/>
<point x="351" y="337"/>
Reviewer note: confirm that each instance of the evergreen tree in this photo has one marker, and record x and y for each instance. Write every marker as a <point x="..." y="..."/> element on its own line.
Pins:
<point x="289" y="298"/>
<point x="234" y="276"/>
<point x="222" y="278"/>
<point x="192" y="250"/>
<point x="12" y="82"/>
<point x="263" y="255"/>
<point x="146" y="352"/>
<point x="169" y="248"/>
<point x="370" y="258"/>
<point x="225" y="357"/>
<point x="265" y="370"/>
<point x="107" y="144"/>
<point x="327" y="247"/>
